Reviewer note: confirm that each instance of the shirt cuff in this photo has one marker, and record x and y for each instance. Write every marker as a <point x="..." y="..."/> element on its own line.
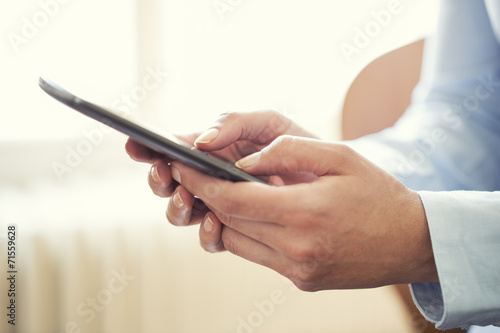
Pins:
<point x="465" y="234"/>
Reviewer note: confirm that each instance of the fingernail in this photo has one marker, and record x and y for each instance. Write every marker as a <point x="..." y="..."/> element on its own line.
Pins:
<point x="208" y="225"/>
<point x="208" y="136"/>
<point x="248" y="161"/>
<point x="175" y="174"/>
<point x="154" y="174"/>
<point x="178" y="200"/>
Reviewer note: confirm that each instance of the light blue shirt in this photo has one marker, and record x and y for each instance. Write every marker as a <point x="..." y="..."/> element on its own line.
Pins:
<point x="447" y="146"/>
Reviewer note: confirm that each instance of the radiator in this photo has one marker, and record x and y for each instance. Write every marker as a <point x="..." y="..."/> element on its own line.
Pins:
<point x="97" y="255"/>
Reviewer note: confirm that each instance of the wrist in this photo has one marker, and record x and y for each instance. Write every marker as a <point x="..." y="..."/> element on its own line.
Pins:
<point x="424" y="268"/>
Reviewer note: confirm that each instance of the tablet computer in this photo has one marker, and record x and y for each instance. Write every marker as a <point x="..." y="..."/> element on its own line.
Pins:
<point x="142" y="133"/>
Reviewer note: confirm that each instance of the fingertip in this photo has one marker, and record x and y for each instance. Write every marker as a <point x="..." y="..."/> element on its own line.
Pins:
<point x="249" y="161"/>
<point x="208" y="224"/>
<point x="138" y="152"/>
<point x="130" y="148"/>
<point x="210" y="233"/>
<point x="127" y="144"/>
<point x="178" y="200"/>
<point x="160" y="173"/>
<point x="179" y="207"/>
<point x="207" y="137"/>
<point x="211" y="223"/>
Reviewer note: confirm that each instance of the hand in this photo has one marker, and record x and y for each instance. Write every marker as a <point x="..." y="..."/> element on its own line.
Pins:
<point x="354" y="226"/>
<point x="186" y="208"/>
<point x="233" y="136"/>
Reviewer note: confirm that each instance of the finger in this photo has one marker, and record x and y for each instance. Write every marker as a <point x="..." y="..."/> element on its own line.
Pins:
<point x="211" y="234"/>
<point x="160" y="179"/>
<point x="184" y="209"/>
<point x="260" y="127"/>
<point x="249" y="200"/>
<point x="272" y="235"/>
<point x="265" y="232"/>
<point x="300" y="155"/>
<point x="140" y="153"/>
<point x="252" y="250"/>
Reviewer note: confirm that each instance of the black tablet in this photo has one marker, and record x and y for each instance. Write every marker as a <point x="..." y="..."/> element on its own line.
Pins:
<point x="148" y="137"/>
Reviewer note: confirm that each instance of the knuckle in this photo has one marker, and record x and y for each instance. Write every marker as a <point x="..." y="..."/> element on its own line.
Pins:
<point x="305" y="275"/>
<point x="229" y="117"/>
<point x="273" y="112"/>
<point x="282" y="143"/>
<point x="284" y="140"/>
<point x="307" y="287"/>
<point x="301" y="255"/>
<point x="303" y="278"/>
<point x="345" y="149"/>
<point x="278" y="123"/>
<point x="344" y="153"/>
<point x="299" y="252"/>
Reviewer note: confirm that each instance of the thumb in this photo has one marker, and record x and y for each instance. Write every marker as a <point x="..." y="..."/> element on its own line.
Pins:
<point x="299" y="155"/>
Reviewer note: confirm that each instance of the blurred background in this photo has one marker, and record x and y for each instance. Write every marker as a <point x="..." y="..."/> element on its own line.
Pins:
<point x="94" y="252"/>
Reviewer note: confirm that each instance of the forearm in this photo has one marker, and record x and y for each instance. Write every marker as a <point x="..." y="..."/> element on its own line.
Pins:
<point x="449" y="140"/>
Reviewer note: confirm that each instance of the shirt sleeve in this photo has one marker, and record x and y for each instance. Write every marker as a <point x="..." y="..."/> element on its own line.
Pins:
<point x="447" y="147"/>
<point x="465" y="233"/>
